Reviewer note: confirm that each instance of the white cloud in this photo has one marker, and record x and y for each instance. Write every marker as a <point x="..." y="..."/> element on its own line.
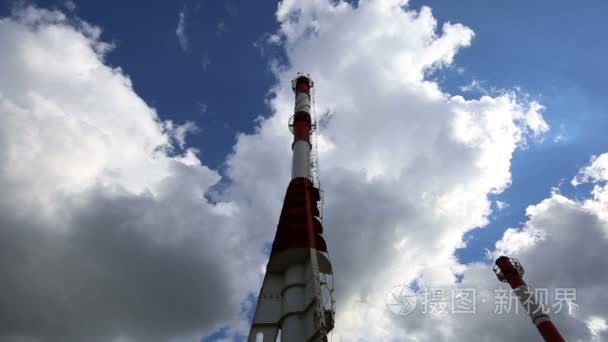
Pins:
<point x="561" y="245"/>
<point x="475" y="85"/>
<point x="179" y="132"/>
<point x="407" y="169"/>
<point x="596" y="171"/>
<point x="597" y="325"/>
<point x="180" y="31"/>
<point x="104" y="213"/>
<point x="501" y="205"/>
<point x="106" y="234"/>
<point x="534" y="120"/>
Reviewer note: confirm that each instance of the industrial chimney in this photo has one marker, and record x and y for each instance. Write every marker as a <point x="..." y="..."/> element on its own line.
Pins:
<point x="510" y="271"/>
<point x="296" y="294"/>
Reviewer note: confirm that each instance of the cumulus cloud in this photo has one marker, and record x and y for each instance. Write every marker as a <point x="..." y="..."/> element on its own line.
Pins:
<point x="407" y="168"/>
<point x="560" y="246"/>
<point x="596" y="171"/>
<point x="106" y="234"/>
<point x="107" y="218"/>
<point x="575" y="233"/>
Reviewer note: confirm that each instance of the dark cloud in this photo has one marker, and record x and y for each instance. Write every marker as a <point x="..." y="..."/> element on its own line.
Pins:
<point x="106" y="270"/>
<point x="105" y="233"/>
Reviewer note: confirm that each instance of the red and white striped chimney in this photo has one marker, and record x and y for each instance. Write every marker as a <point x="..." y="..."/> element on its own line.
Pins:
<point x="291" y="300"/>
<point x="510" y="271"/>
<point x="301" y="127"/>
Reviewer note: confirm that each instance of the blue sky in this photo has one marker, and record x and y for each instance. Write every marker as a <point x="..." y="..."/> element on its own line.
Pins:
<point x="232" y="87"/>
<point x="222" y="81"/>
<point x="220" y="74"/>
<point x="546" y="49"/>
